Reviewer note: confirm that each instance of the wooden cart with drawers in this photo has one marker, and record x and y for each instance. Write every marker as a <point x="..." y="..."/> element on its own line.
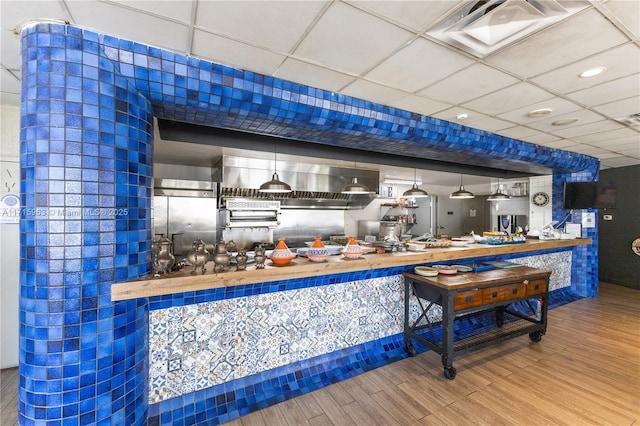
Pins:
<point x="468" y="294"/>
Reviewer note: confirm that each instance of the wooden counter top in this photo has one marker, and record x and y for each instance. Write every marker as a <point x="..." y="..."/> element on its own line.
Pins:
<point x="184" y="281"/>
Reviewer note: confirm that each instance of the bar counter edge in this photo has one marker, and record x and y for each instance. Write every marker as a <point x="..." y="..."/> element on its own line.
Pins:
<point x="183" y="281"/>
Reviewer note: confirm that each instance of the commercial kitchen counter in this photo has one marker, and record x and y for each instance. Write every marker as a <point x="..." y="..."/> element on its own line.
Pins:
<point x="183" y="281"/>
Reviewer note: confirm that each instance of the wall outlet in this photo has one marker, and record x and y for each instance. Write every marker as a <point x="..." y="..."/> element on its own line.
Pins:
<point x="607" y="217"/>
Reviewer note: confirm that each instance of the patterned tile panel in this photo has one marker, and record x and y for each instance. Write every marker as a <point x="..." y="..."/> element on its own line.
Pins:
<point x="206" y="344"/>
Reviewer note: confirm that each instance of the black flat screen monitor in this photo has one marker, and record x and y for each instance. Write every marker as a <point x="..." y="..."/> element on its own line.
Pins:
<point x="590" y="195"/>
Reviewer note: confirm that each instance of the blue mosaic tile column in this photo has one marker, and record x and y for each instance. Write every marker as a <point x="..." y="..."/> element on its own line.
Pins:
<point x="584" y="273"/>
<point x="86" y="165"/>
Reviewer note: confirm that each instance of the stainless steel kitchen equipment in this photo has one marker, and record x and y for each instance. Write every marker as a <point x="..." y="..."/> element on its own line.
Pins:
<point x="250" y="213"/>
<point x="314" y="186"/>
<point x="184" y="211"/>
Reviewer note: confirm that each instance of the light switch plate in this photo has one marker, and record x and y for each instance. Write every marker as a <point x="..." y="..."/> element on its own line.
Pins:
<point x="588" y="220"/>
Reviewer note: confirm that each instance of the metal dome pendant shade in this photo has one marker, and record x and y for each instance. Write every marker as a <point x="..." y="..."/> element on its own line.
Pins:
<point x="461" y="193"/>
<point x="275" y="185"/>
<point x="415" y="192"/>
<point x="355" y="188"/>
<point x="498" y="195"/>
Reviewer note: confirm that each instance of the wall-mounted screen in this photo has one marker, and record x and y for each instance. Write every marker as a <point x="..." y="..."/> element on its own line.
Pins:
<point x="590" y="195"/>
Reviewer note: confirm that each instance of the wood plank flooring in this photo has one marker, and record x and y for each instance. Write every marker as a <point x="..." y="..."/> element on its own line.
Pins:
<point x="586" y="371"/>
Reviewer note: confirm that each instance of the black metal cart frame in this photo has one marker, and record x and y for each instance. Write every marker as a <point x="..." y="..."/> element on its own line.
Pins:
<point x="499" y="291"/>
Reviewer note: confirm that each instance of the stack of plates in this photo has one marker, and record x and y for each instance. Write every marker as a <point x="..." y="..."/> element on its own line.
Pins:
<point x="446" y="269"/>
<point x="426" y="271"/>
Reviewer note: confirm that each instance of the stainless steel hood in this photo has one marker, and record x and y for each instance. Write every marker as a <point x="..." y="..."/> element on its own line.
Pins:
<point x="314" y="186"/>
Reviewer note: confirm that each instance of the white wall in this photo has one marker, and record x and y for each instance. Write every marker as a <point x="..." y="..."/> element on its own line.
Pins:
<point x="9" y="238"/>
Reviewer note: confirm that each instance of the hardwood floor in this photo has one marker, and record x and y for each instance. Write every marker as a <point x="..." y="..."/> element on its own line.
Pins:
<point x="586" y="371"/>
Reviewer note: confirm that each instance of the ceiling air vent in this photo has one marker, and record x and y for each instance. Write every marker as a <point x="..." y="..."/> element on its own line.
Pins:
<point x="483" y="27"/>
<point x="630" y="120"/>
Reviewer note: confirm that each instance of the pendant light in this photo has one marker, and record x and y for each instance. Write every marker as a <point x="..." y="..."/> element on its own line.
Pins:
<point x="415" y="192"/>
<point x="355" y="187"/>
<point x="498" y="195"/>
<point x="275" y="185"/>
<point x="461" y="193"/>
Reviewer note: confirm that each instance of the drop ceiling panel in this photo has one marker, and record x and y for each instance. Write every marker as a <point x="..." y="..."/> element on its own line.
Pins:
<point x="131" y="25"/>
<point x="517" y="132"/>
<point x="588" y="129"/>
<point x="469" y="83"/>
<point x="620" y="162"/>
<point x="173" y="10"/>
<point x="558" y="107"/>
<point x="627" y="12"/>
<point x="620" y="62"/>
<point x="313" y="75"/>
<point x="367" y="90"/>
<point x="235" y="53"/>
<point x="559" y="45"/>
<point x="508" y="99"/>
<point x="347" y="39"/>
<point x="16" y="13"/>
<point x="415" y="66"/>
<point x="420" y="105"/>
<point x="620" y="108"/>
<point x="584" y="116"/>
<point x="278" y="25"/>
<point x="415" y="15"/>
<point x="621" y="88"/>
<point x="609" y="139"/>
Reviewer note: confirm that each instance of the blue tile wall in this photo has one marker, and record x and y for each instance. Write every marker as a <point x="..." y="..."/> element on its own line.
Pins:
<point x="86" y="146"/>
<point x="88" y="101"/>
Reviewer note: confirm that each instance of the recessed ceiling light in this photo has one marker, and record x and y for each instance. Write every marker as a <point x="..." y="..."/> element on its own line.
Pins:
<point x="593" y="72"/>
<point x="564" y="122"/>
<point x="540" y="112"/>
<point x="462" y="116"/>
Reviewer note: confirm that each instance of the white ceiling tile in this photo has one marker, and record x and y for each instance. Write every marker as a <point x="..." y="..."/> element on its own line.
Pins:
<point x="176" y="10"/>
<point x="628" y="12"/>
<point x="451" y="114"/>
<point x="412" y="68"/>
<point x="510" y="98"/>
<point x="420" y="105"/>
<point x="347" y="39"/>
<point x="469" y="83"/>
<point x="606" y="138"/>
<point x="367" y="90"/>
<point x="620" y="62"/>
<point x="621" y="161"/>
<point x="621" y="88"/>
<point x="621" y="108"/>
<point x="517" y="132"/>
<point x="416" y="15"/>
<point x="608" y="154"/>
<point x="541" y="138"/>
<point x="590" y="150"/>
<point x="490" y="124"/>
<point x="121" y="22"/>
<point x="275" y="24"/>
<point x="558" y="107"/>
<point x="584" y="116"/>
<point x="621" y="143"/>
<point x="561" y="144"/>
<point x="9" y="98"/>
<point x="234" y="53"/>
<point x="14" y="14"/>
<point x="312" y="75"/>
<point x="588" y="129"/>
<point x="578" y="37"/>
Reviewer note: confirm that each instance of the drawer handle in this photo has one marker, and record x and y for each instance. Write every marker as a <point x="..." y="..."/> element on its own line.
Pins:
<point x="494" y="294"/>
<point x="468" y="299"/>
<point x="536" y="287"/>
<point x="514" y="291"/>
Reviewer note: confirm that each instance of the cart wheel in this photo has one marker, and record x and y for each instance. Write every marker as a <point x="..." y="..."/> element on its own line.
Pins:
<point x="536" y="336"/>
<point x="450" y="373"/>
<point x="411" y="350"/>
